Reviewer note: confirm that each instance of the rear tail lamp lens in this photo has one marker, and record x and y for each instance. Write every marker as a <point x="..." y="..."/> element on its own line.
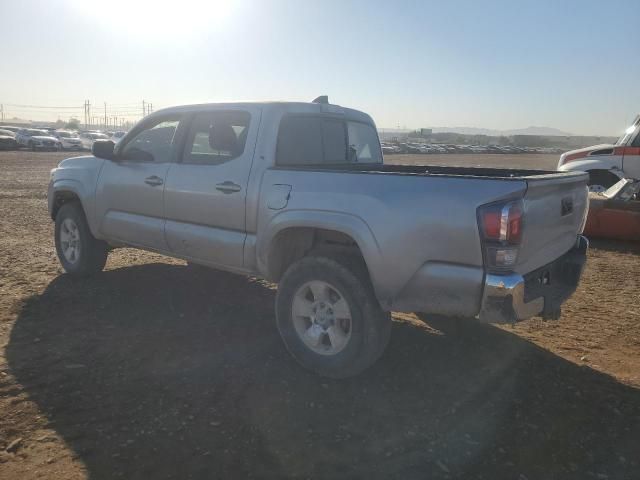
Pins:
<point x="502" y="223"/>
<point x="501" y="230"/>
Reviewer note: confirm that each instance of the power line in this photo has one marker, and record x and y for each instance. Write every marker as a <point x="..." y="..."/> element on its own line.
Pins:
<point x="38" y="106"/>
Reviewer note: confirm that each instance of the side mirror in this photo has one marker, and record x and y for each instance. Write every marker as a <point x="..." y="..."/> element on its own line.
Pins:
<point x="103" y="149"/>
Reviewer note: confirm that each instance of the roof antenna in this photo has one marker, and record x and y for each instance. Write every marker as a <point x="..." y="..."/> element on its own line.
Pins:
<point x="323" y="99"/>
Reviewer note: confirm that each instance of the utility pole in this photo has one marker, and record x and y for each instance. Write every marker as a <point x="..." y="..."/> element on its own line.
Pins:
<point x="2" y="112"/>
<point x="144" y="109"/>
<point x="106" y="125"/>
<point x="87" y="121"/>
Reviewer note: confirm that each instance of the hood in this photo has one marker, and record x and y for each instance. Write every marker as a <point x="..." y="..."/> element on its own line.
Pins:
<point x="84" y="161"/>
<point x="603" y="149"/>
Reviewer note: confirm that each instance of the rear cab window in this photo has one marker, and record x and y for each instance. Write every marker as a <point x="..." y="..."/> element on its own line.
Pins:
<point x="307" y="140"/>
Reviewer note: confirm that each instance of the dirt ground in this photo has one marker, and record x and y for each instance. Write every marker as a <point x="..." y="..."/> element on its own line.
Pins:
<point x="156" y="370"/>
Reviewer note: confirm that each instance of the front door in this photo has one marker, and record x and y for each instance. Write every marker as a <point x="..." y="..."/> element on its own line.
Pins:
<point x="129" y="195"/>
<point x="205" y="192"/>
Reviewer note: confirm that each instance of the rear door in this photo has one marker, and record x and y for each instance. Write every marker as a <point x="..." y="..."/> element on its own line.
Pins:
<point x="129" y="195"/>
<point x="554" y="212"/>
<point x="206" y="191"/>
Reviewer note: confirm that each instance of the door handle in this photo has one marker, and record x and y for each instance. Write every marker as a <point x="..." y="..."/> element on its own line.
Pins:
<point x="228" y="187"/>
<point x="153" y="180"/>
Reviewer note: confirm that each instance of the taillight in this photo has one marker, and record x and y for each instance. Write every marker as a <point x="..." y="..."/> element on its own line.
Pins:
<point x="501" y="231"/>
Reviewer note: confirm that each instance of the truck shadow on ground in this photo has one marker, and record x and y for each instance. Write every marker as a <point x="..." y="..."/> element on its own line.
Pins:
<point x="163" y="371"/>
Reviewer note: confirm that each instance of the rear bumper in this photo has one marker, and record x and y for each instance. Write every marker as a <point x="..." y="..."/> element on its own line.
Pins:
<point x="510" y="298"/>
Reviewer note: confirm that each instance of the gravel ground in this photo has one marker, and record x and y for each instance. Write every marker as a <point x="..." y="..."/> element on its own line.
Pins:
<point x="157" y="370"/>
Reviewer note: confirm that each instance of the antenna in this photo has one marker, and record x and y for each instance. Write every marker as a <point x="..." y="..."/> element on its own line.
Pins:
<point x="323" y="99"/>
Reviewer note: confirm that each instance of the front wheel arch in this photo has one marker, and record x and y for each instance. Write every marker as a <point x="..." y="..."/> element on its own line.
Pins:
<point x="60" y="198"/>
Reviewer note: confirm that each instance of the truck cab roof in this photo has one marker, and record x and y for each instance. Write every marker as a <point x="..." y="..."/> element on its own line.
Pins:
<point x="282" y="107"/>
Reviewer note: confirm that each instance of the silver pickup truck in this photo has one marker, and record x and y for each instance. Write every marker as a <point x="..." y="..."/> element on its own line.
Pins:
<point x="297" y="193"/>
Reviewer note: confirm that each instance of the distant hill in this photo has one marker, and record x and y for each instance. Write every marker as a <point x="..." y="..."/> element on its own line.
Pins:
<point x="543" y="131"/>
<point x="546" y="131"/>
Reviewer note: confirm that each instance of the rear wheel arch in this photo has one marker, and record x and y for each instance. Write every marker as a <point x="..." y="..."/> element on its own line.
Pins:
<point x="294" y="243"/>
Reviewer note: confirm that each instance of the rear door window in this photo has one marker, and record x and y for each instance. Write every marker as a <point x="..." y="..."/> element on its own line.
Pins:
<point x="216" y="137"/>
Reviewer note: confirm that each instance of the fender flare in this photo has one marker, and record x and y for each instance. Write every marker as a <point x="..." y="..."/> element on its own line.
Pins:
<point x="69" y="185"/>
<point x="351" y="225"/>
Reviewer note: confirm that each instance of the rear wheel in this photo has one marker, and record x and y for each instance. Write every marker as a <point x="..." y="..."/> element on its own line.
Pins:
<point x="79" y="252"/>
<point x="329" y="317"/>
<point x="600" y="180"/>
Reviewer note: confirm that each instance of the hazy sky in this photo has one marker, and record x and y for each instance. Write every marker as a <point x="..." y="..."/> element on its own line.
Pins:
<point x="572" y="65"/>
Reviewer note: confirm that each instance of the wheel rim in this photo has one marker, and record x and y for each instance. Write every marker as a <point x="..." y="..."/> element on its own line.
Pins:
<point x="597" y="188"/>
<point x="70" y="240"/>
<point x="321" y="317"/>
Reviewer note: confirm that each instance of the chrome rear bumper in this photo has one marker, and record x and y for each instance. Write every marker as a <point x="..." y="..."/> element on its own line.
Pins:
<point x="510" y="298"/>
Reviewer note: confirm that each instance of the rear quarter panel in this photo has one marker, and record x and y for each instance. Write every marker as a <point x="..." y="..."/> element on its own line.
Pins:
<point x="412" y="219"/>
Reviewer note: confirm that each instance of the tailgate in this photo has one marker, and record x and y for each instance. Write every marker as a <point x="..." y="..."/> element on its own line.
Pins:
<point x="554" y="211"/>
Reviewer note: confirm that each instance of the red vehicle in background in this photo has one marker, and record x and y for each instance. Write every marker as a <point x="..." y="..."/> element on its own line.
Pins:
<point x="615" y="213"/>
<point x="608" y="163"/>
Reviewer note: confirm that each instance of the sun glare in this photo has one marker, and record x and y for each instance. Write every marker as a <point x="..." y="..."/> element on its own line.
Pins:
<point x="159" y="20"/>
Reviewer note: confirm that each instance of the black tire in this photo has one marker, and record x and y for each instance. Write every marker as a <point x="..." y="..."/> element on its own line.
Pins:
<point x="370" y="326"/>
<point x="92" y="252"/>
<point x="603" y="178"/>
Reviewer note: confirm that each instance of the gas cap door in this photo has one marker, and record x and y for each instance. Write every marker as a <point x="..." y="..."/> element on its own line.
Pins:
<point x="278" y="196"/>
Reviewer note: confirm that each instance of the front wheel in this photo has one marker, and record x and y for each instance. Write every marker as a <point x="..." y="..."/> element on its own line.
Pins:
<point x="329" y="318"/>
<point x="79" y="252"/>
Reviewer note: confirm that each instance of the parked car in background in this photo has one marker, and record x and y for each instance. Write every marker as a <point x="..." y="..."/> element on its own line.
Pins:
<point x="8" y="140"/>
<point x="615" y="213"/>
<point x="68" y="140"/>
<point x="11" y="128"/>
<point x="606" y="164"/>
<point x="37" y="139"/>
<point x="87" y="139"/>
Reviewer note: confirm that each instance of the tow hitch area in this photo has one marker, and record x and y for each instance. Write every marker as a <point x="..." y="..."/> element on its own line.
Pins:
<point x="510" y="298"/>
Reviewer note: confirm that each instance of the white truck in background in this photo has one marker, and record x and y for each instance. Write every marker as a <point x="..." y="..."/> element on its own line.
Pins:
<point x="608" y="163"/>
